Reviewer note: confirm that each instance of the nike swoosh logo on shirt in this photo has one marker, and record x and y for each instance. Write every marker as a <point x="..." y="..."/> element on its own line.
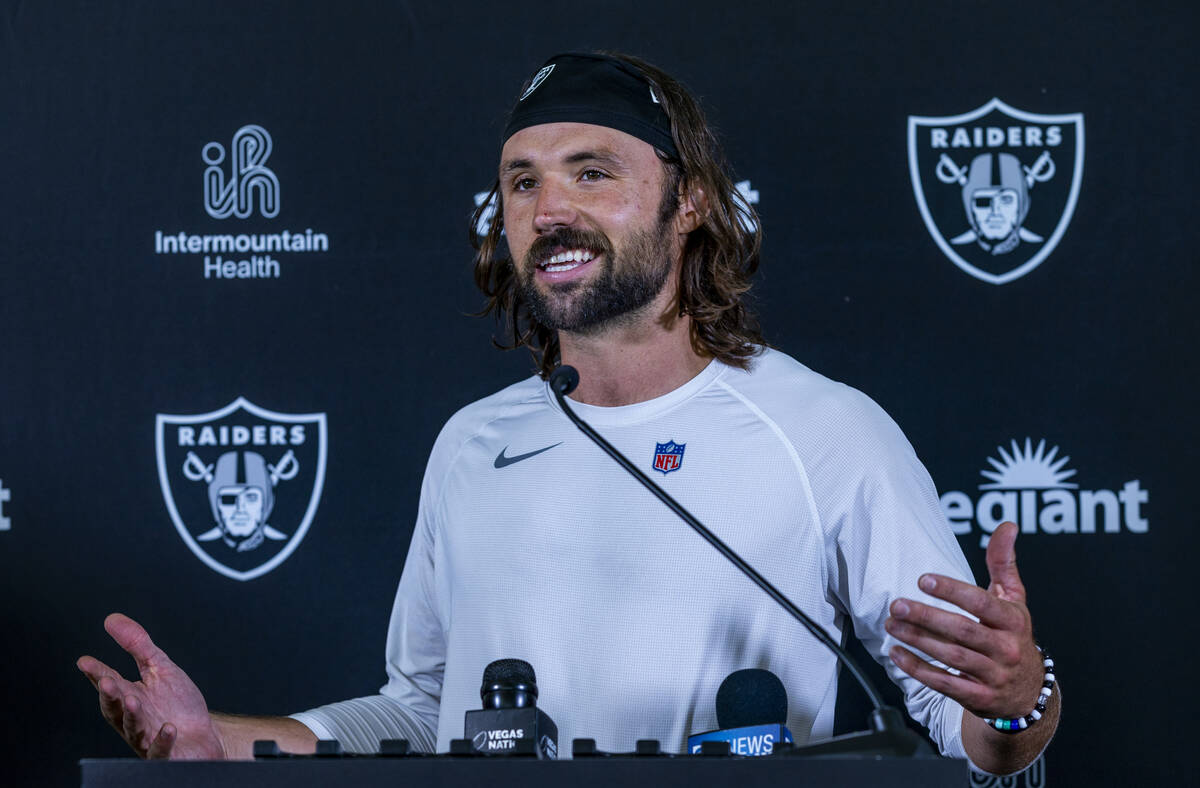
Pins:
<point x="503" y="462"/>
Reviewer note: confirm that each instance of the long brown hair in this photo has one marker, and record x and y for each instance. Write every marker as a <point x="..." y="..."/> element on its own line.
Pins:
<point x="719" y="257"/>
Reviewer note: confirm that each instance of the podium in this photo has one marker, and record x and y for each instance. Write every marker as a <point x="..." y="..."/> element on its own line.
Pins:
<point x="451" y="772"/>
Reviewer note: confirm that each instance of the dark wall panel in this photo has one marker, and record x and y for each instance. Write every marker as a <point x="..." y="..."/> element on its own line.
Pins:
<point x="383" y="121"/>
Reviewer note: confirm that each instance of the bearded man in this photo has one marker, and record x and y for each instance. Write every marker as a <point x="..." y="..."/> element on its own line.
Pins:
<point x="628" y="257"/>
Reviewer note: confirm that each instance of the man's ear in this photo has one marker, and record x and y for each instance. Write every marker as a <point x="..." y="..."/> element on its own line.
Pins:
<point x="693" y="208"/>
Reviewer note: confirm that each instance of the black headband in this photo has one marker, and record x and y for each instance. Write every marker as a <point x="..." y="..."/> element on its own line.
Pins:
<point x="596" y="89"/>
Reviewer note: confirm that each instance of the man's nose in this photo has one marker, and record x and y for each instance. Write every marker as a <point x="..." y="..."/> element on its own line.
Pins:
<point x="555" y="208"/>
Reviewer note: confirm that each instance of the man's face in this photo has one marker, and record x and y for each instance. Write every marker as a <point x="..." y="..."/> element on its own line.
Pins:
<point x="241" y="509"/>
<point x="995" y="211"/>
<point x="583" y="213"/>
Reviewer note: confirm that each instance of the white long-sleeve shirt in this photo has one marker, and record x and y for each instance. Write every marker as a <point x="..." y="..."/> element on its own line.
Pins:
<point x="630" y="619"/>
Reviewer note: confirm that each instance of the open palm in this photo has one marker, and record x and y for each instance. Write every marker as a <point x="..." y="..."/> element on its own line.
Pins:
<point x="162" y="715"/>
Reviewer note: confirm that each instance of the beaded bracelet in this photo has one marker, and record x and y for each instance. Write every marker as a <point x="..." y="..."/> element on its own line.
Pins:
<point x="1019" y="724"/>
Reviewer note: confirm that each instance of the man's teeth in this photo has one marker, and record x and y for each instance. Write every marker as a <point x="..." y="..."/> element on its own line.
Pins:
<point x="565" y="261"/>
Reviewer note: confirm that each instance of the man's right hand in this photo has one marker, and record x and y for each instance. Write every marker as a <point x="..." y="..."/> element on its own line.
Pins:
<point x="163" y="715"/>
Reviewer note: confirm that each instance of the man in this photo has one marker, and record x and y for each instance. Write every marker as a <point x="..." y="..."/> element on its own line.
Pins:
<point x="628" y="260"/>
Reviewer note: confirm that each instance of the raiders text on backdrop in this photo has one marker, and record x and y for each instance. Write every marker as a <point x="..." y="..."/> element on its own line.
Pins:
<point x="239" y="435"/>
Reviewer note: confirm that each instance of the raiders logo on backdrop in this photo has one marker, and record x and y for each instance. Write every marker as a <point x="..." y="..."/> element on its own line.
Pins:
<point x="241" y="483"/>
<point x="996" y="186"/>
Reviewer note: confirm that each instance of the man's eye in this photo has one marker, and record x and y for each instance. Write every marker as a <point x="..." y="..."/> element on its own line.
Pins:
<point x="523" y="184"/>
<point x="593" y="175"/>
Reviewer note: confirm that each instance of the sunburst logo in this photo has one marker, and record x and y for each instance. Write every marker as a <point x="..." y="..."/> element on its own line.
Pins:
<point x="1028" y="469"/>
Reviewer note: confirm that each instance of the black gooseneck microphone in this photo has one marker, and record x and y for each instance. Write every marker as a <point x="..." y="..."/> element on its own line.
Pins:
<point x="888" y="734"/>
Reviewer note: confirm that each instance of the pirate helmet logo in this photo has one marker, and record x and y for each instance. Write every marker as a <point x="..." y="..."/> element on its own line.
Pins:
<point x="241" y="494"/>
<point x="1010" y="185"/>
<point x="240" y="513"/>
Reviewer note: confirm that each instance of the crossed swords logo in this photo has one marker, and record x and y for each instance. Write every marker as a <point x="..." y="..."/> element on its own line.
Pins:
<point x="196" y="470"/>
<point x="1043" y="169"/>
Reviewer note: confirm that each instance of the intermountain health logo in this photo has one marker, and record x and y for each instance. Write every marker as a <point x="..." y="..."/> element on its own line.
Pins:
<point x="1033" y="487"/>
<point x="241" y="483"/>
<point x="248" y="176"/>
<point x="996" y="186"/>
<point x="240" y="185"/>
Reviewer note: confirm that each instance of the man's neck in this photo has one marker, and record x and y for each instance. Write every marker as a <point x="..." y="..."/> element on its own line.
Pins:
<point x="632" y="363"/>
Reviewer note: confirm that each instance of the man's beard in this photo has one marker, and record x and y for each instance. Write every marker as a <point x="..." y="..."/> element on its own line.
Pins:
<point x="613" y="296"/>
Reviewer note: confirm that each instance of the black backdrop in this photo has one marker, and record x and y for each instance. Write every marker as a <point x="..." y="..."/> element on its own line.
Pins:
<point x="383" y="120"/>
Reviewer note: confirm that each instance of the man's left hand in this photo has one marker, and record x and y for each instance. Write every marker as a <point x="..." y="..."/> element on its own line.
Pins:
<point x="999" y="667"/>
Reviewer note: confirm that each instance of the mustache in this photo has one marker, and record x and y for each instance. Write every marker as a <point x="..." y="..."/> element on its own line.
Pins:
<point x="567" y="238"/>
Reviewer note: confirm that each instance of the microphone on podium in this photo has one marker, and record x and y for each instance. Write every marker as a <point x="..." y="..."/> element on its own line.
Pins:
<point x="751" y="712"/>
<point x="510" y="723"/>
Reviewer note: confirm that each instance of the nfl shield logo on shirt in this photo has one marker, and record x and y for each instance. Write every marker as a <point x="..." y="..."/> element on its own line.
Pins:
<point x="668" y="456"/>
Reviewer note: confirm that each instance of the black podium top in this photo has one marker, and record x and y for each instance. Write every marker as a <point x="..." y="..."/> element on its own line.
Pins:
<point x="685" y="772"/>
